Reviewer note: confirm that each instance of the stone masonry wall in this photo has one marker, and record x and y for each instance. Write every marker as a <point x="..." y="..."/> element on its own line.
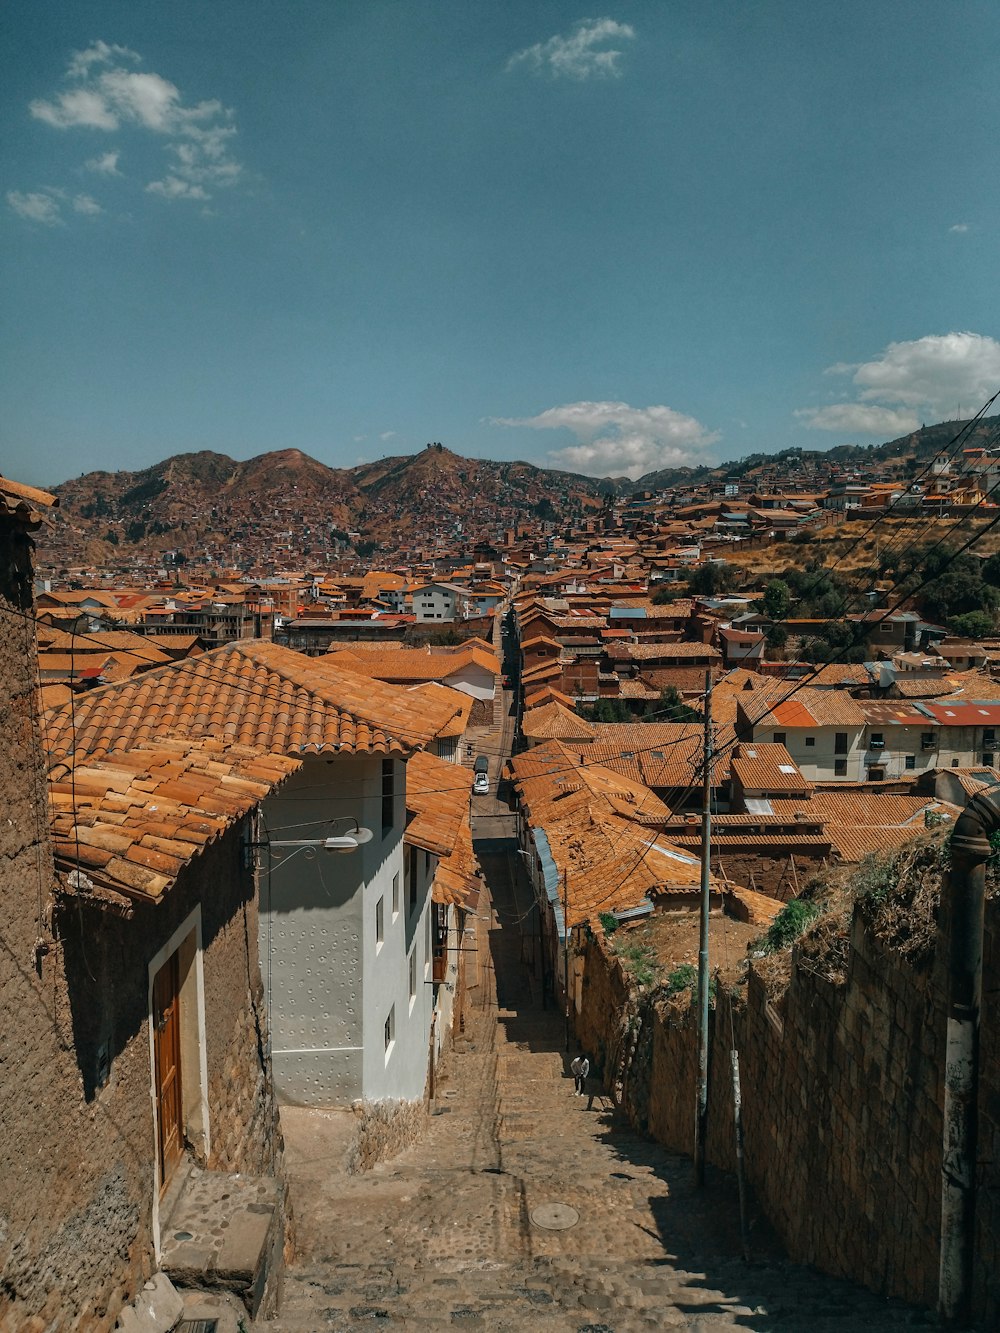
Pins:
<point x="77" y="1148"/>
<point x="842" y="1107"/>
<point x="74" y="1240"/>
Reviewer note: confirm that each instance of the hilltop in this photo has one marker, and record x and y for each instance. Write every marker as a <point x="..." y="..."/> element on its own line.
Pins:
<point x="209" y="506"/>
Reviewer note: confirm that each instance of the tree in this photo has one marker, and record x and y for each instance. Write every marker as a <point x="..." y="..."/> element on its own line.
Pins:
<point x="714" y="576"/>
<point x="777" y="599"/>
<point x="972" y="625"/>
<point x="776" y="636"/>
<point x="664" y="594"/>
<point x="670" y="707"/>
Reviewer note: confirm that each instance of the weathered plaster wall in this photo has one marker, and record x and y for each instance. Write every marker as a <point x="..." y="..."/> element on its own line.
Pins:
<point x="842" y="1097"/>
<point x="77" y="1148"/>
<point x="74" y="1241"/>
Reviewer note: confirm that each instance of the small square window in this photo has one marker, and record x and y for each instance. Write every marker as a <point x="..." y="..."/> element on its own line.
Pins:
<point x="840" y="768"/>
<point x="779" y="738"/>
<point x="811" y="740"/>
<point x="911" y="761"/>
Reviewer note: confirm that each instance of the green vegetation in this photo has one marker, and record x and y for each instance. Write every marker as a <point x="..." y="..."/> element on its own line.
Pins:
<point x="789" y="924"/>
<point x="639" y="961"/>
<point x="681" y="978"/>
<point x="609" y="922"/>
<point x="606" y="710"/>
<point x="961" y="593"/>
<point x="777" y="599"/>
<point x="712" y="578"/>
<point x="670" y="707"/>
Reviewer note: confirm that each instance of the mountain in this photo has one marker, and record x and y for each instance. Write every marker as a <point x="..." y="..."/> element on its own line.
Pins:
<point x="208" y="507"/>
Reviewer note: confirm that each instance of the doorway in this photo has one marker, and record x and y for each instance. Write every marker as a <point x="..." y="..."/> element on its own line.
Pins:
<point x="167" y="1072"/>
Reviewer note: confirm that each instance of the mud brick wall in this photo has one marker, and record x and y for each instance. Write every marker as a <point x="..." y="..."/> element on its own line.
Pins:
<point x="987" y="1255"/>
<point x="842" y="1107"/>
<point x="74" y="1242"/>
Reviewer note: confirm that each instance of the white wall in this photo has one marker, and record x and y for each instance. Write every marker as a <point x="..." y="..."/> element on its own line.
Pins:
<point x="330" y="984"/>
<point x="400" y="1072"/>
<point x="817" y="762"/>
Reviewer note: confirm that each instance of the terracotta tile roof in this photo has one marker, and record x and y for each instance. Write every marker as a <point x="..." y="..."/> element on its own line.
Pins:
<point x="251" y="693"/>
<point x="641" y="652"/>
<point x="768" y="707"/>
<point x="411" y="664"/>
<point x="140" y="817"/>
<point x="553" y="721"/>
<point x="765" y="766"/>
<point x="26" y="504"/>
<point x="437" y="806"/>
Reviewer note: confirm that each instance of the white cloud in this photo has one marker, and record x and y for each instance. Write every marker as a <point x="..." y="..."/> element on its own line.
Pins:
<point x="35" y="207"/>
<point x="172" y="187"/>
<point x="105" y="165"/>
<point x="388" y="435"/>
<point x="617" y="439"/>
<point x="81" y="107"/>
<point x="108" y="94"/>
<point x="859" y="419"/>
<point x="582" y="53"/>
<point x="84" y="203"/>
<point x="959" y="227"/>
<point x="98" y="54"/>
<point x="925" y="379"/>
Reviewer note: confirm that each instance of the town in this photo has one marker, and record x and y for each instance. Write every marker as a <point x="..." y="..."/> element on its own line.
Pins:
<point x="347" y="814"/>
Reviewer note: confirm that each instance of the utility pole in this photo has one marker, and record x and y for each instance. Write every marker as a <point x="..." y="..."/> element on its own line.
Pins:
<point x="701" y="1110"/>
<point x="566" y="951"/>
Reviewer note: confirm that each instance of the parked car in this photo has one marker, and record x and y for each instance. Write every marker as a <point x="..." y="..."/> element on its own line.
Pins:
<point x="481" y="785"/>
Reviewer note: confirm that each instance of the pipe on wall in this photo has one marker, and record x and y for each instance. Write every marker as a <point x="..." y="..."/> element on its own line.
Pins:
<point x="962" y="919"/>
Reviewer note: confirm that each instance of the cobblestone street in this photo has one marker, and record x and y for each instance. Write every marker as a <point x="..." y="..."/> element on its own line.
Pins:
<point x="523" y="1206"/>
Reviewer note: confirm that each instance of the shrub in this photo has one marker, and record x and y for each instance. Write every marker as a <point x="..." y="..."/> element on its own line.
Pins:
<point x="789" y="924"/>
<point x="681" y="978"/>
<point x="609" y="922"/>
<point x="639" y="960"/>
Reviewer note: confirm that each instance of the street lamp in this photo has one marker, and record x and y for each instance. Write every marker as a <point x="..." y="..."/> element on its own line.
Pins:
<point x="344" y="842"/>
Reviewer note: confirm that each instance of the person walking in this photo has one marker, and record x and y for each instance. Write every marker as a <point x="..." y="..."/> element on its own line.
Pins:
<point x="581" y="1068"/>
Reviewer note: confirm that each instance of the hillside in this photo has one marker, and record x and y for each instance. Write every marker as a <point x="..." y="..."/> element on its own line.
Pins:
<point x="207" y="507"/>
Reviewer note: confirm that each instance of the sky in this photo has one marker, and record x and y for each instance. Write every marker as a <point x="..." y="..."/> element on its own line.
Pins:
<point x="606" y="239"/>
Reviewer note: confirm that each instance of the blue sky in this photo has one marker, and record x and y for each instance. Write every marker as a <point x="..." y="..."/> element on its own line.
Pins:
<point x="610" y="240"/>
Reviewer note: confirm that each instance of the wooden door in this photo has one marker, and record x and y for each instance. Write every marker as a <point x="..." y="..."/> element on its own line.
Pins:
<point x="167" y="1048"/>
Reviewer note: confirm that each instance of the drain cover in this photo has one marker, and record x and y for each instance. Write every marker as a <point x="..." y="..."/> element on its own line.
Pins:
<point x="555" y="1216"/>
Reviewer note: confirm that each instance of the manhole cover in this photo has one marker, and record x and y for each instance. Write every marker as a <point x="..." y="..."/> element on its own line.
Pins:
<point x="555" y="1216"/>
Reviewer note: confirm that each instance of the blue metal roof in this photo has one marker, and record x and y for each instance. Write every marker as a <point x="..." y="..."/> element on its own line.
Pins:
<point x="627" y="613"/>
<point x="550" y="878"/>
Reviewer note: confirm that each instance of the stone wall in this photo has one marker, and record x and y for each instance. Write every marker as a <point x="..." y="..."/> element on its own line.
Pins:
<point x="842" y="1106"/>
<point x="77" y="1148"/>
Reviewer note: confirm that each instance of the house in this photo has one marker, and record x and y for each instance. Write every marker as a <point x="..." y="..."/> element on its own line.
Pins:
<point x="134" y="1027"/>
<point x="343" y="938"/>
<point x="822" y="730"/>
<point x="593" y="844"/>
<point x="471" y="668"/>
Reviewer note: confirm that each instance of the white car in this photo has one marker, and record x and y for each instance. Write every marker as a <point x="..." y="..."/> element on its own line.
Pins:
<point x="481" y="785"/>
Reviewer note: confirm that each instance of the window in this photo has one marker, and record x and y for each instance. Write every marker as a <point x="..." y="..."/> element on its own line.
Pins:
<point x="926" y="739"/>
<point x="877" y="741"/>
<point x="779" y="738"/>
<point x="885" y="627"/>
<point x="390" y="1031"/>
<point x="388" y="794"/>
<point x="413" y="975"/>
<point x="811" y="740"/>
<point x="429" y="941"/>
<point x="395" y="895"/>
<point x="988" y="758"/>
<point x="379" y="923"/>
<point x="840" y="768"/>
<point x="989" y="735"/>
<point x="911" y="761"/>
<point x="840" y="742"/>
<point x="876" y="774"/>
<point x="411" y="877"/>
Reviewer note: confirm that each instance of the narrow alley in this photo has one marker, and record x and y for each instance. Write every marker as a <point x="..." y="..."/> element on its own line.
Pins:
<point x="522" y="1206"/>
